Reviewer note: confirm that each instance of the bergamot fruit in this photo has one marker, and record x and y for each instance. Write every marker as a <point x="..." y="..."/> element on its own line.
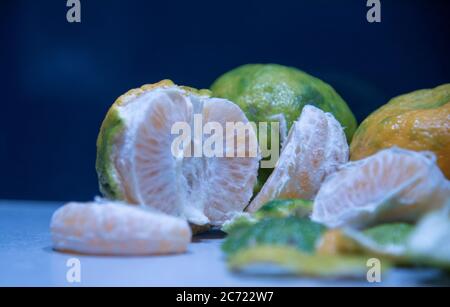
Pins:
<point x="314" y="149"/>
<point x="417" y="121"/>
<point x="394" y="185"/>
<point x="112" y="228"/>
<point x="137" y="161"/>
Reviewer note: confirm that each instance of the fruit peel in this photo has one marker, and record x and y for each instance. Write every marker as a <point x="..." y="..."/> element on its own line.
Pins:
<point x="298" y="232"/>
<point x="417" y="121"/>
<point x="292" y="261"/>
<point x="112" y="127"/>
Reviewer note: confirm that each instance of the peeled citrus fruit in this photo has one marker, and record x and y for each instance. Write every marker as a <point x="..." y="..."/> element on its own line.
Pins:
<point x="138" y="162"/>
<point x="393" y="185"/>
<point x="417" y="121"/>
<point x="270" y="92"/>
<point x="111" y="228"/>
<point x="315" y="147"/>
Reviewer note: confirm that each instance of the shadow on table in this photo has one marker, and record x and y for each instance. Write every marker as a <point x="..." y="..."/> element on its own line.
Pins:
<point x="213" y="234"/>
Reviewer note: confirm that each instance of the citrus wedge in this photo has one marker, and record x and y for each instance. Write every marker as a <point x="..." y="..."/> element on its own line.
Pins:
<point x="315" y="147"/>
<point x="393" y="185"/>
<point x="112" y="228"/>
<point x="138" y="162"/>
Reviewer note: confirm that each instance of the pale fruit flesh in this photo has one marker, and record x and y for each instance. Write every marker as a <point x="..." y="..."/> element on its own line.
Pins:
<point x="394" y="185"/>
<point x="202" y="189"/>
<point x="111" y="228"/>
<point x="315" y="147"/>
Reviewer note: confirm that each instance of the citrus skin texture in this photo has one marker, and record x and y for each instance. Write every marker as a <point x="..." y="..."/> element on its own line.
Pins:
<point x="266" y="91"/>
<point x="417" y="121"/>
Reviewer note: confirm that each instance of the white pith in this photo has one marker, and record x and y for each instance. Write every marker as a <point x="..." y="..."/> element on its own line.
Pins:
<point x="199" y="189"/>
<point x="429" y="239"/>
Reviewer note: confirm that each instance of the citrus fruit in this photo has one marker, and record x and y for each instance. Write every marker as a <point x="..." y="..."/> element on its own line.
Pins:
<point x="112" y="228"/>
<point x="394" y="185"/>
<point x="138" y="162"/>
<point x="417" y="121"/>
<point x="270" y="92"/>
<point x="315" y="147"/>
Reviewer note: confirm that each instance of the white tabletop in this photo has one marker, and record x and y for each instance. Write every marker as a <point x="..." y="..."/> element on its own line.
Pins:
<point x="27" y="259"/>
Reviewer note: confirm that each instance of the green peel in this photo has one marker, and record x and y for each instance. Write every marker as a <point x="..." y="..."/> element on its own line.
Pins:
<point x="293" y="261"/>
<point x="111" y="128"/>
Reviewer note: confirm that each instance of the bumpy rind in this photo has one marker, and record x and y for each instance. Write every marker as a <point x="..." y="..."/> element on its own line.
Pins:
<point x="417" y="121"/>
<point x="259" y="88"/>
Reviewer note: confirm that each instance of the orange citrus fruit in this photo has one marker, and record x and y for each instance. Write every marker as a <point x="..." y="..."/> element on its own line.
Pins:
<point x="136" y="161"/>
<point x="394" y="185"/>
<point x="112" y="228"/>
<point x="315" y="147"/>
<point x="417" y="121"/>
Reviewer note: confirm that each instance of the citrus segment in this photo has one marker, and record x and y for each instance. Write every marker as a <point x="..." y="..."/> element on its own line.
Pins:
<point x="393" y="185"/>
<point x="111" y="228"/>
<point x="315" y="147"/>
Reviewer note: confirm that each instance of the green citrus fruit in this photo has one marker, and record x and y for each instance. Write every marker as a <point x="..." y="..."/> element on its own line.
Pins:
<point x="270" y="92"/>
<point x="276" y="93"/>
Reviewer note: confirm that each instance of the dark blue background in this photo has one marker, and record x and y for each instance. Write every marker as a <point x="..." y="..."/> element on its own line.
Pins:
<point x="58" y="79"/>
